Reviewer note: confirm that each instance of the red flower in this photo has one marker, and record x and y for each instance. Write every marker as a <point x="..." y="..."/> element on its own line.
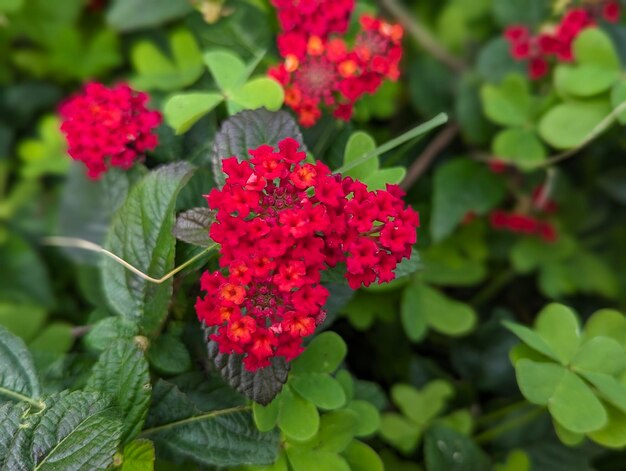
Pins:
<point x="316" y="17"/>
<point x="611" y="11"/>
<point x="278" y="234"/>
<point x="108" y="127"/>
<point x="522" y="224"/>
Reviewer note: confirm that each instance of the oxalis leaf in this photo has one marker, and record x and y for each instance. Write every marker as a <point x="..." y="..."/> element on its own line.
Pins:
<point x="122" y="371"/>
<point x="141" y="234"/>
<point x="182" y="426"/>
<point x="18" y="379"/>
<point x="75" y="431"/>
<point x="248" y="130"/>
<point x="193" y="226"/>
<point x="260" y="386"/>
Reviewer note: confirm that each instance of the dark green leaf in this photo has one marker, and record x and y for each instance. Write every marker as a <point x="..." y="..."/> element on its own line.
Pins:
<point x="168" y="355"/>
<point x="193" y="225"/>
<point x="18" y="374"/>
<point x="448" y="450"/>
<point x="130" y="15"/>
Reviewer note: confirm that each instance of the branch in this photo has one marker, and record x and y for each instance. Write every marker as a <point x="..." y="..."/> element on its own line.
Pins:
<point x="422" y="36"/>
<point x="433" y="149"/>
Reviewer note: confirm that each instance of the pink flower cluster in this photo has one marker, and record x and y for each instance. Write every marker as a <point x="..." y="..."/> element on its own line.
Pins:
<point x="315" y="17"/>
<point x="108" y="127"/>
<point x="556" y="44"/>
<point x="280" y="223"/>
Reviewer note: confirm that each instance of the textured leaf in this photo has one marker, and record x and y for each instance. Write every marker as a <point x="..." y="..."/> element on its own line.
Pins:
<point x="462" y="185"/>
<point x="141" y="234"/>
<point x="169" y="355"/>
<point x="185" y="428"/>
<point x="138" y="456"/>
<point x="108" y="330"/>
<point x="248" y="130"/>
<point x="130" y="15"/>
<point x="122" y="372"/>
<point x="18" y="372"/>
<point x="193" y="225"/>
<point x="261" y="386"/>
<point x="76" y="431"/>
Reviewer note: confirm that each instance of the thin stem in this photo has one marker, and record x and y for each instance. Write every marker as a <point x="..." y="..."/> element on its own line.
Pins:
<point x="22" y="398"/>
<point x="195" y="418"/>
<point x="501" y="412"/>
<point x="422" y="36"/>
<point x="87" y="245"/>
<point x="434" y="148"/>
<point x="546" y="189"/>
<point x="499" y="430"/>
<point x="417" y="131"/>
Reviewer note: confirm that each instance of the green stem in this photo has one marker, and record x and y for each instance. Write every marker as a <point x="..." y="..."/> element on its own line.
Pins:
<point x="501" y="412"/>
<point x="195" y="418"/>
<point x="501" y="429"/>
<point x="493" y="287"/>
<point x="22" y="398"/>
<point x="417" y="131"/>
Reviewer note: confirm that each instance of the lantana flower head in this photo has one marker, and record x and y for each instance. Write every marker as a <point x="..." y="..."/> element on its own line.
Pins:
<point x="108" y="127"/>
<point x="281" y="222"/>
<point x="315" y="17"/>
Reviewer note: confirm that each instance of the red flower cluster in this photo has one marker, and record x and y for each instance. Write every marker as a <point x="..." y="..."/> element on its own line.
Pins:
<point x="280" y="223"/>
<point x="300" y="18"/>
<point x="320" y="72"/>
<point x="539" y="50"/>
<point x="108" y="127"/>
<point x="522" y="224"/>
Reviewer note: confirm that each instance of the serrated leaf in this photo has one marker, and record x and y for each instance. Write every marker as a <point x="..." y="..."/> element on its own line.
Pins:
<point x="76" y="431"/>
<point x="108" y="330"/>
<point x="184" y="109"/>
<point x="18" y="375"/>
<point x="169" y="355"/>
<point x="193" y="225"/>
<point x="260" y="386"/>
<point x="182" y="426"/>
<point x="141" y="234"/>
<point x="122" y="372"/>
<point x="138" y="456"/>
<point x="248" y="130"/>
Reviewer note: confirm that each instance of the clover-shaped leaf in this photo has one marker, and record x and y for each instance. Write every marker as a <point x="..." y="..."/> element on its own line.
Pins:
<point x="45" y="155"/>
<point x="510" y="103"/>
<point x="369" y="172"/>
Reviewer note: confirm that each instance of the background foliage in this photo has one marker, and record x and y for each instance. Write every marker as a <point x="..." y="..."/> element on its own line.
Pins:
<point x="496" y="348"/>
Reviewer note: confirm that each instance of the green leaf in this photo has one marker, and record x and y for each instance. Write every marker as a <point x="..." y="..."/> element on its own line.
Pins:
<point x="298" y="418"/>
<point x="424" y="405"/>
<point x="46" y="155"/>
<point x="531" y="12"/>
<point x="336" y="431"/>
<point x="597" y="65"/>
<point x="54" y="341"/>
<point x="168" y="355"/>
<point x="141" y="234"/>
<point x="11" y="6"/>
<point x="423" y="304"/>
<point x="228" y="70"/>
<point x="265" y="417"/>
<point x="460" y="420"/>
<point x="122" y="372"/>
<point x="248" y="130"/>
<point x="613" y="435"/>
<point x="323" y="355"/>
<point x="558" y="326"/>
<point x="361" y="457"/>
<point x="569" y="125"/>
<point x="261" y="92"/>
<point x="569" y="399"/>
<point x="184" y="109"/>
<point x="23" y="320"/>
<point x="601" y="355"/>
<point x="379" y="180"/>
<point x="193" y="226"/>
<point x="260" y="386"/>
<point x="19" y="377"/>
<point x="159" y="72"/>
<point x="400" y="432"/>
<point x="188" y="426"/>
<point x="448" y="450"/>
<point x="607" y="323"/>
<point x="138" y="456"/>
<point x="520" y="147"/>
<point x="131" y="15"/>
<point x="566" y="436"/>
<point x="368" y="417"/>
<point x="360" y="143"/>
<point x="319" y="388"/>
<point x="609" y="388"/>
<point x="75" y="431"/>
<point x="303" y="459"/>
<point x="510" y="103"/>
<point x="462" y="185"/>
<point x="108" y="330"/>
<point x="618" y="98"/>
